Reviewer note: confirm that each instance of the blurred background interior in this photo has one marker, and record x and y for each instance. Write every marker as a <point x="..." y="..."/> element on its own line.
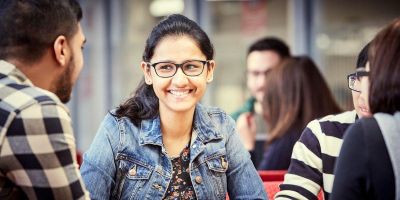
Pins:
<point x="332" y="32"/>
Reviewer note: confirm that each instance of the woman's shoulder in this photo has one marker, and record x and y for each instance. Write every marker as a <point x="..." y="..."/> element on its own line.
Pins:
<point x="113" y="122"/>
<point x="210" y="109"/>
<point x="213" y="113"/>
<point x="213" y="121"/>
<point x="362" y="132"/>
<point x="366" y="125"/>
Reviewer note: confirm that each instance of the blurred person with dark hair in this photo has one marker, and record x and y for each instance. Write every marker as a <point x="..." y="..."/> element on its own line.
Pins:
<point x="315" y="153"/>
<point x="41" y="57"/>
<point x="369" y="163"/>
<point x="296" y="94"/>
<point x="262" y="56"/>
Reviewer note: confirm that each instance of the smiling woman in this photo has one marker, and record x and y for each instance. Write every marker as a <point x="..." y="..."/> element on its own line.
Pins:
<point x="161" y="142"/>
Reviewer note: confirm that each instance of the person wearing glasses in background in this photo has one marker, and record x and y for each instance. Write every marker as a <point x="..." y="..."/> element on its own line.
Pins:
<point x="314" y="154"/>
<point x="369" y="163"/>
<point x="161" y="143"/>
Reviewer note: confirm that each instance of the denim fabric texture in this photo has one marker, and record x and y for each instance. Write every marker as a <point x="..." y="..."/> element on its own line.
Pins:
<point x="129" y="162"/>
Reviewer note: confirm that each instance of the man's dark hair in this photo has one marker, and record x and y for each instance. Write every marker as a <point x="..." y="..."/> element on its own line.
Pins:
<point x="270" y="44"/>
<point x="362" y="58"/>
<point x="29" y="27"/>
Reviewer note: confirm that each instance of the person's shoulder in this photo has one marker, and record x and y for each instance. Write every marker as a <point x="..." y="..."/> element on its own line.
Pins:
<point x="213" y="117"/>
<point x="365" y="125"/>
<point x="337" y="123"/>
<point x="112" y="120"/>
<point x="347" y="117"/>
<point x="20" y="97"/>
<point x="211" y="111"/>
<point x="332" y="125"/>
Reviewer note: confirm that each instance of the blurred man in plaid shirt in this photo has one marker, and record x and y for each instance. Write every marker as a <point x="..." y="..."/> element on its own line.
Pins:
<point x="41" y="45"/>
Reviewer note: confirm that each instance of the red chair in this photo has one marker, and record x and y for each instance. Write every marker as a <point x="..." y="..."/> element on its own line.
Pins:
<point x="272" y="187"/>
<point x="79" y="158"/>
<point x="272" y="175"/>
<point x="272" y="179"/>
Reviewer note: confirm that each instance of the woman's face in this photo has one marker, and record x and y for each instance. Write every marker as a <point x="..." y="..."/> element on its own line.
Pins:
<point x="178" y="93"/>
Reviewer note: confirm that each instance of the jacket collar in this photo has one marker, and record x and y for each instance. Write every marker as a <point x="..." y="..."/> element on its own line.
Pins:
<point x="205" y="127"/>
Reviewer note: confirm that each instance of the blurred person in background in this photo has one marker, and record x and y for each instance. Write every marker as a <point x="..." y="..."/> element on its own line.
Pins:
<point x="162" y="143"/>
<point x="41" y="44"/>
<point x="262" y="56"/>
<point x="368" y="166"/>
<point x="314" y="154"/>
<point x="296" y="93"/>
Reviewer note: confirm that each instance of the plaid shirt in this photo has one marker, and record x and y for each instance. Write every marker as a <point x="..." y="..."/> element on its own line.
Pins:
<point x="37" y="145"/>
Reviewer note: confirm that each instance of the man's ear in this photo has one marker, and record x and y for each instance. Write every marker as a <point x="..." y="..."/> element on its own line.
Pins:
<point x="146" y="72"/>
<point x="61" y="50"/>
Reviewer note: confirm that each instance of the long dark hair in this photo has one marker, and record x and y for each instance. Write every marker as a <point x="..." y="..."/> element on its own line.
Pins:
<point x="384" y="89"/>
<point x="144" y="103"/>
<point x="296" y="93"/>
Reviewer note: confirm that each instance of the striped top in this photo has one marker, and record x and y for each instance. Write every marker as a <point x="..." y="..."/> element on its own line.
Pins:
<point x="314" y="156"/>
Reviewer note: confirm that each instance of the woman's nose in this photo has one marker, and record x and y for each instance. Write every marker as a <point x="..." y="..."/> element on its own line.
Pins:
<point x="180" y="78"/>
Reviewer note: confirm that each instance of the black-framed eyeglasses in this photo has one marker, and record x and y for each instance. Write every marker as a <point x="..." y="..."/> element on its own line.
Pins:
<point x="169" y="69"/>
<point x="353" y="80"/>
<point x="362" y="73"/>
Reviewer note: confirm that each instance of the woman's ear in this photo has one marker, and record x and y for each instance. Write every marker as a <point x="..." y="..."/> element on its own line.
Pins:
<point x="146" y="72"/>
<point x="61" y="50"/>
<point x="210" y="71"/>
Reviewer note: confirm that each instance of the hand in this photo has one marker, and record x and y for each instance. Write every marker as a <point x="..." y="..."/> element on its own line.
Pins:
<point x="246" y="127"/>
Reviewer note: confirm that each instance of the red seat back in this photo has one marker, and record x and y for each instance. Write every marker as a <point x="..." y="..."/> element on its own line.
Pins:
<point x="272" y="187"/>
<point x="79" y="158"/>
<point x="272" y="175"/>
<point x="272" y="179"/>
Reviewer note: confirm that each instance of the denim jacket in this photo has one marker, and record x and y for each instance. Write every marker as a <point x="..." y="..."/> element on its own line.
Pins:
<point x="130" y="162"/>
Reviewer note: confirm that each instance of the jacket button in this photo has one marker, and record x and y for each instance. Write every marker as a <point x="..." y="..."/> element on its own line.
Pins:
<point x="157" y="186"/>
<point x="132" y="172"/>
<point x="198" y="179"/>
<point x="224" y="163"/>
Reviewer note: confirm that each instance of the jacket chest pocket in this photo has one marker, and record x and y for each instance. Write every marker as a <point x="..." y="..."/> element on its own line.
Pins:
<point x="131" y="179"/>
<point x="217" y="166"/>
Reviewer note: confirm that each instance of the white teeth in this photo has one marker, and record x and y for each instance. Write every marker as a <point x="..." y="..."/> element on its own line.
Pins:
<point x="179" y="92"/>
